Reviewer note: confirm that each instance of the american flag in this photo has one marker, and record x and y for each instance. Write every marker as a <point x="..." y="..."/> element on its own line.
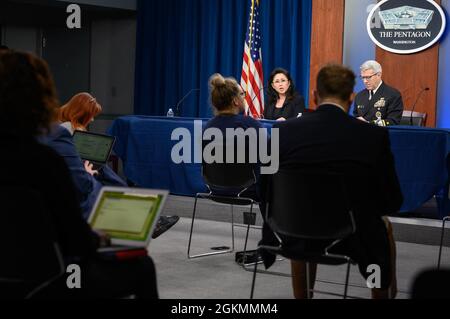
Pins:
<point x="252" y="79"/>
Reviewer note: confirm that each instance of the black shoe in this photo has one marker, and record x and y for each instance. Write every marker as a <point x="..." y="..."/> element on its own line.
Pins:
<point x="163" y="224"/>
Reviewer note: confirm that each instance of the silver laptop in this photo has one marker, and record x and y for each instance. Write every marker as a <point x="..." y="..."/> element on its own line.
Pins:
<point x="127" y="215"/>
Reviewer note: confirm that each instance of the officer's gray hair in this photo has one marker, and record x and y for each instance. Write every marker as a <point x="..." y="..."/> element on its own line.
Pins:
<point x="371" y="65"/>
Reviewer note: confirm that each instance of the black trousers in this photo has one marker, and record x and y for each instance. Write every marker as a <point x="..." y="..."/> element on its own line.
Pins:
<point x="369" y="245"/>
<point x="107" y="279"/>
<point x="122" y="278"/>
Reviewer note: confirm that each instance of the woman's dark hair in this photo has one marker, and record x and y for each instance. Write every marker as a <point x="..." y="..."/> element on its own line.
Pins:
<point x="28" y="101"/>
<point x="272" y="95"/>
<point x="223" y="91"/>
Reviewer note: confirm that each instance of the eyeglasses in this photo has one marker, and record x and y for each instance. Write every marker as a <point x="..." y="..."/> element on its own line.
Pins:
<point x="280" y="81"/>
<point x="368" y="77"/>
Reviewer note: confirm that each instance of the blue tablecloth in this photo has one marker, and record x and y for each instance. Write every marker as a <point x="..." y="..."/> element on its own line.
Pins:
<point x="144" y="144"/>
<point x="422" y="160"/>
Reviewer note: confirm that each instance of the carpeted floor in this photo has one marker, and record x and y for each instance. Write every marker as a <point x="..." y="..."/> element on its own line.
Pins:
<point x="219" y="277"/>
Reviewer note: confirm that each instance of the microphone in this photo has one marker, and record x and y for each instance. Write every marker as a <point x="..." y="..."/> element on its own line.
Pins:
<point x="177" y="107"/>
<point x="414" y="105"/>
<point x="256" y="95"/>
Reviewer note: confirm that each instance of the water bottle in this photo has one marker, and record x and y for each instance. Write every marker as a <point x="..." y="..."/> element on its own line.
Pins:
<point x="170" y="113"/>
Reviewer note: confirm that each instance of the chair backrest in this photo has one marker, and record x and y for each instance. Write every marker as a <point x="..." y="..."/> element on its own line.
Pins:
<point x="309" y="205"/>
<point x="30" y="253"/>
<point x="418" y="119"/>
<point x="227" y="175"/>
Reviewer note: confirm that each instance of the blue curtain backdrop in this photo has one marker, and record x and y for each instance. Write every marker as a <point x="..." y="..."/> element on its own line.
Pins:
<point x="180" y="43"/>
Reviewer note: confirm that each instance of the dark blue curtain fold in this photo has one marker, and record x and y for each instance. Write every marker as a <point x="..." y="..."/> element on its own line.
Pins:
<point x="180" y="43"/>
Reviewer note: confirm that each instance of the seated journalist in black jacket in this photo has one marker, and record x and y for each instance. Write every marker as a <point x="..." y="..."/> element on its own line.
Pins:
<point x="332" y="141"/>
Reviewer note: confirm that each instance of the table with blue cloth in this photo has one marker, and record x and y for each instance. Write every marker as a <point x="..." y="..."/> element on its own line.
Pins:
<point x="144" y="144"/>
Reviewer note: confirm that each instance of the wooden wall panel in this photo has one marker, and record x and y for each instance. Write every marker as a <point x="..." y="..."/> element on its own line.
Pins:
<point x="411" y="73"/>
<point x="327" y="37"/>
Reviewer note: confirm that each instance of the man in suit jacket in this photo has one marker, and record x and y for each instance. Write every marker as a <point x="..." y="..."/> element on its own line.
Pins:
<point x="378" y="103"/>
<point x="333" y="141"/>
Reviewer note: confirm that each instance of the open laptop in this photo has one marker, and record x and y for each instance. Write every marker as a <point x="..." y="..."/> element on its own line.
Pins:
<point x="93" y="147"/>
<point x="127" y="215"/>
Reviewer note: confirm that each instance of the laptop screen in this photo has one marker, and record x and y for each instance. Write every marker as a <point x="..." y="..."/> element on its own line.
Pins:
<point x="127" y="215"/>
<point x="93" y="147"/>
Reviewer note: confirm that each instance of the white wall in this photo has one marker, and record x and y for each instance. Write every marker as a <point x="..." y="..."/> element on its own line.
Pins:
<point x="358" y="47"/>
<point x="23" y="38"/>
<point x="113" y="46"/>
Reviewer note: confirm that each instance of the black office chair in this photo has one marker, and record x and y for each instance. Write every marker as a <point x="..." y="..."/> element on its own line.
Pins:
<point x="304" y="205"/>
<point x="444" y="220"/>
<point x="31" y="258"/>
<point x="225" y="176"/>
<point x="417" y="118"/>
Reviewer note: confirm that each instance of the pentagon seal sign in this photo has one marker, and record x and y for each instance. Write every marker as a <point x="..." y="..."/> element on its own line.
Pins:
<point x="406" y="26"/>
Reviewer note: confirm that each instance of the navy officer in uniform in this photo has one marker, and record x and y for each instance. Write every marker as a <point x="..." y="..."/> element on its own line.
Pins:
<point x="378" y="103"/>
